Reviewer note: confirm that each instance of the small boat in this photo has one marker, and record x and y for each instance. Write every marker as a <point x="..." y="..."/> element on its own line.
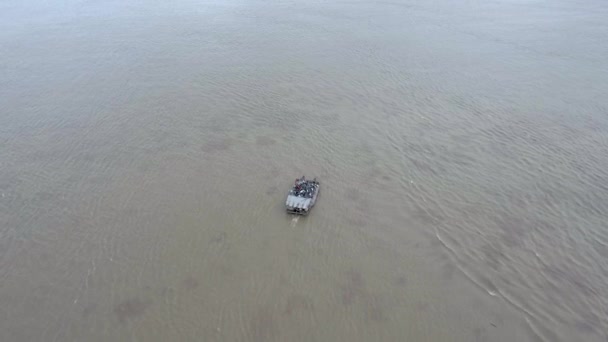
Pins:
<point x="302" y="196"/>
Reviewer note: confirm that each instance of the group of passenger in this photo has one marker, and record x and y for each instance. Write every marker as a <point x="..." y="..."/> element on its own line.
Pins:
<point x="303" y="188"/>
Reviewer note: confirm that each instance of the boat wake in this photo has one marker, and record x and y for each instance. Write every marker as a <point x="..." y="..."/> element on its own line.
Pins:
<point x="294" y="221"/>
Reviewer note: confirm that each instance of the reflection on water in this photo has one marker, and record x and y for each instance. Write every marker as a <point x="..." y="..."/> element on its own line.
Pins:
<point x="147" y="148"/>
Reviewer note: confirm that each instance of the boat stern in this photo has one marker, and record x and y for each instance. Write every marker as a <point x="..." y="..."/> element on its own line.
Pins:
<point x="298" y="205"/>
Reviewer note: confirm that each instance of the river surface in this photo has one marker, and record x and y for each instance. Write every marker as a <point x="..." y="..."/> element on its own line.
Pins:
<point x="146" y="148"/>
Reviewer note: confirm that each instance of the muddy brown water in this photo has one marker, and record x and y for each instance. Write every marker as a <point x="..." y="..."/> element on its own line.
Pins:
<point x="146" y="148"/>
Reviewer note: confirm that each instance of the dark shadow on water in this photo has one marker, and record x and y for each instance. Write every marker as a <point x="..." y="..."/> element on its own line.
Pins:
<point x="401" y="281"/>
<point x="354" y="291"/>
<point x="264" y="141"/>
<point x="130" y="308"/>
<point x="353" y="194"/>
<point x="263" y="326"/>
<point x="357" y="222"/>
<point x="273" y="190"/>
<point x="89" y="309"/>
<point x="298" y="303"/>
<point x="190" y="283"/>
<point x="374" y="309"/>
<point x="219" y="238"/>
<point x="217" y="146"/>
<point x="353" y="288"/>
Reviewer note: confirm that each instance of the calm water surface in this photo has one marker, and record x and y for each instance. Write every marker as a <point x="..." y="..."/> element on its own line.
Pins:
<point x="146" y="148"/>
